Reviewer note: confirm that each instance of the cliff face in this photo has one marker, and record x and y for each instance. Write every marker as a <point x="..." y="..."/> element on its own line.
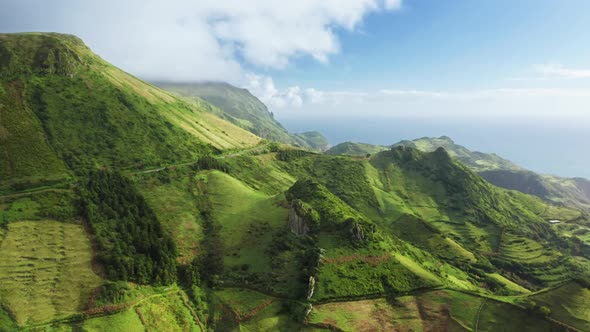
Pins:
<point x="356" y="232"/>
<point x="300" y="218"/>
<point x="310" y="287"/>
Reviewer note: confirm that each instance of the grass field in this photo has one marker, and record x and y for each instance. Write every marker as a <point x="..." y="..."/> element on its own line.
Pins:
<point x="126" y="321"/>
<point x="248" y="219"/>
<point x="525" y="250"/>
<point x="57" y="204"/>
<point x="45" y="271"/>
<point x="144" y="309"/>
<point x="166" y="313"/>
<point x="26" y="154"/>
<point x="539" y="260"/>
<point x="498" y="316"/>
<point x="427" y="237"/>
<point x="569" y="304"/>
<point x="255" y="311"/>
<point x="243" y="301"/>
<point x="169" y="194"/>
<point x="509" y="283"/>
<point x="271" y="318"/>
<point x="431" y="311"/>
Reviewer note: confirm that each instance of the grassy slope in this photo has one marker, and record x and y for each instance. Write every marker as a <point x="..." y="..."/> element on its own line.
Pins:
<point x="172" y="194"/>
<point x="248" y="219"/>
<point x="569" y="304"/>
<point x="355" y="149"/>
<point x="348" y="270"/>
<point x="468" y="222"/>
<point x="241" y="108"/>
<point x="72" y="105"/>
<point x="236" y="105"/>
<point x="311" y="139"/>
<point x="45" y="270"/>
<point x="572" y="192"/>
<point x="478" y="161"/>
<point x="430" y="311"/>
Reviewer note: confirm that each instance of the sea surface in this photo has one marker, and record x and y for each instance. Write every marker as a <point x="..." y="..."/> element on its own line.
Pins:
<point x="543" y="146"/>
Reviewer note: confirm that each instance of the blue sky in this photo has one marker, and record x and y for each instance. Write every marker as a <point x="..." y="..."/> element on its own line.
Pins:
<point x="432" y="44"/>
<point x="450" y="66"/>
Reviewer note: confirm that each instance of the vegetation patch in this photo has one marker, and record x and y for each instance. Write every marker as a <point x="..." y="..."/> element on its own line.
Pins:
<point x="45" y="271"/>
<point x="429" y="311"/>
<point x="568" y="304"/>
<point x="132" y="243"/>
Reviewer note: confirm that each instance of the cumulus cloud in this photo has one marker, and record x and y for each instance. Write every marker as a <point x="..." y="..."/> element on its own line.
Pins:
<point x="197" y="40"/>
<point x="296" y="97"/>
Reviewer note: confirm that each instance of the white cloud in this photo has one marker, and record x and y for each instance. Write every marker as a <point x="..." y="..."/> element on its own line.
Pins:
<point x="296" y="97"/>
<point x="490" y="93"/>
<point x="559" y="71"/>
<point x="197" y="39"/>
<point x="557" y="104"/>
<point x="393" y="4"/>
<point x="264" y="88"/>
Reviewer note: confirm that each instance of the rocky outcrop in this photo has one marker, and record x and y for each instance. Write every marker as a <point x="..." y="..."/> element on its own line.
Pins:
<point x="301" y="218"/>
<point x="360" y="230"/>
<point x="310" y="287"/>
<point x="356" y="231"/>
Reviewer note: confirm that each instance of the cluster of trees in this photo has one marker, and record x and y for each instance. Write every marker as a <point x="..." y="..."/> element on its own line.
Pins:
<point x="212" y="262"/>
<point x="131" y="241"/>
<point x="536" y="309"/>
<point x="209" y="162"/>
<point x="290" y="154"/>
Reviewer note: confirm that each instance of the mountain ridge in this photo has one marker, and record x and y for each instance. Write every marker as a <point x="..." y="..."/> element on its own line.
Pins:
<point x="571" y="192"/>
<point x="174" y="219"/>
<point x="242" y="108"/>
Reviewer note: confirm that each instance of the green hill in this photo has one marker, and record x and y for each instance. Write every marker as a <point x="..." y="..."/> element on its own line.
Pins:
<point x="63" y="108"/>
<point x="125" y="208"/>
<point x="478" y="161"/>
<point x="243" y="109"/>
<point x="311" y="139"/>
<point x="570" y="192"/>
<point x="355" y="149"/>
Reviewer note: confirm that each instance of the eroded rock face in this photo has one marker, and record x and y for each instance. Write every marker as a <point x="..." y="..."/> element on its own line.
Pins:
<point x="298" y="218"/>
<point x="310" y="287"/>
<point x="357" y="232"/>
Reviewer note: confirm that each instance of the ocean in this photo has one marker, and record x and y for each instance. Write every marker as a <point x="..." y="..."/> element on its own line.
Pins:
<point x="542" y="146"/>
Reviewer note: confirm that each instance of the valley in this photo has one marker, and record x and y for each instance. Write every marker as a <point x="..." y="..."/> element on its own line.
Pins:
<point x="125" y="207"/>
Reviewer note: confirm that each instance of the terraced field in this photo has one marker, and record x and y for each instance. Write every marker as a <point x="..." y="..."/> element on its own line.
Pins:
<point x="45" y="271"/>
<point x="545" y="264"/>
<point x="525" y="250"/>
<point x="427" y="237"/>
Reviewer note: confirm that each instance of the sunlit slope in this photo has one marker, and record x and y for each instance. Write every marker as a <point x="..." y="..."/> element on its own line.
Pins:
<point x="243" y="109"/>
<point x="59" y="102"/>
<point x="570" y="192"/>
<point x="355" y="149"/>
